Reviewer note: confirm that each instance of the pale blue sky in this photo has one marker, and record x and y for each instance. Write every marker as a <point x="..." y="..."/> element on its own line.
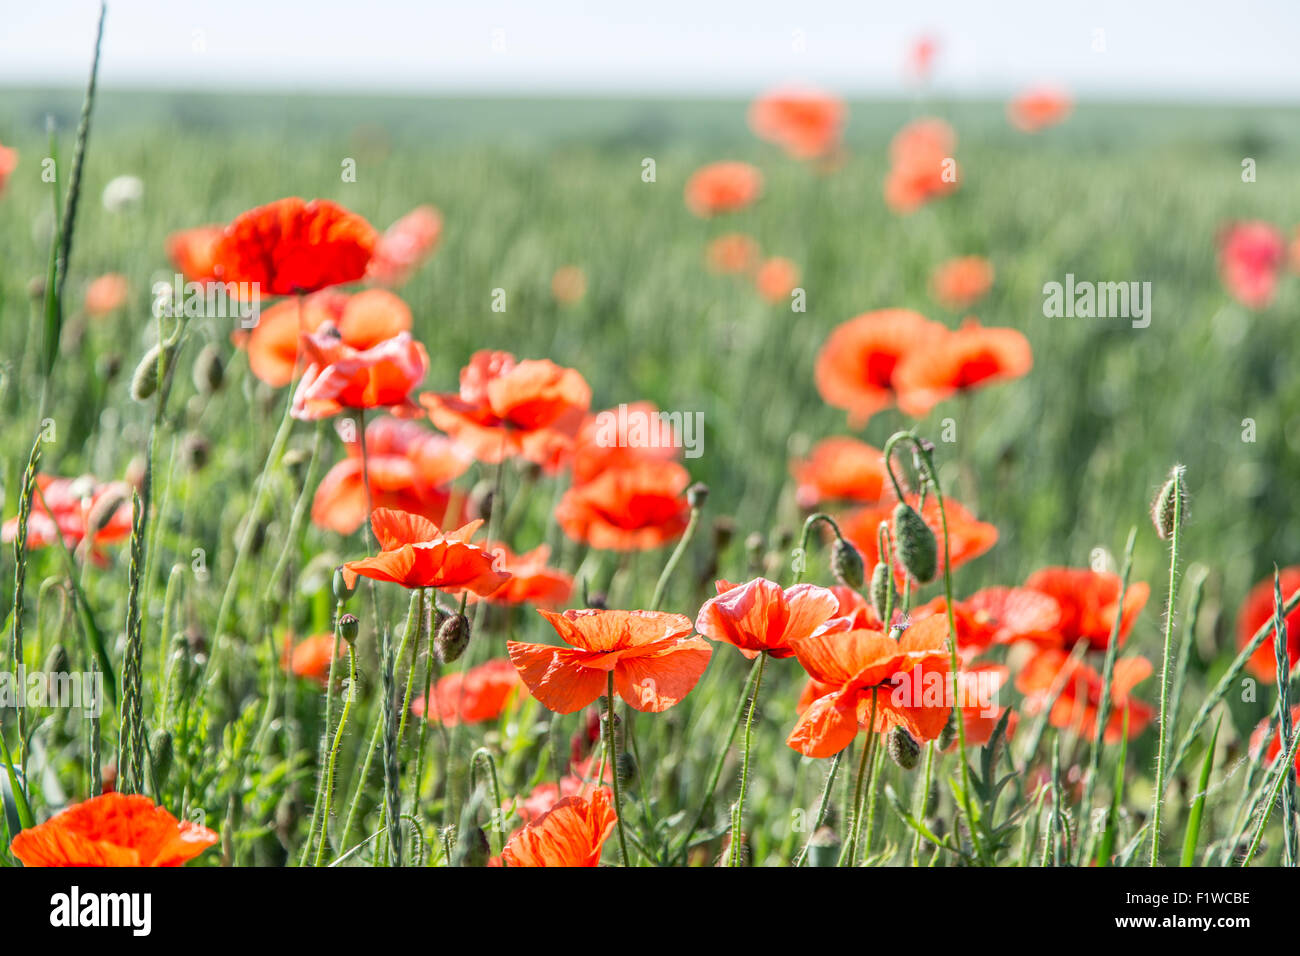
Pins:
<point x="1152" y="48"/>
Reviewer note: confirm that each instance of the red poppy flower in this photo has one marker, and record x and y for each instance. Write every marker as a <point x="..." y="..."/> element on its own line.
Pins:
<point x="978" y="690"/>
<point x="1251" y="255"/>
<point x="968" y="538"/>
<point x="291" y="247"/>
<point x="854" y="613"/>
<point x="923" y="167"/>
<point x="580" y="783"/>
<point x="634" y="508"/>
<point x="920" y="57"/>
<point x="8" y="163"/>
<point x="416" y="554"/>
<point x="72" y="502"/>
<point x="840" y="469"/>
<point x="506" y="407"/>
<point x="722" y="187"/>
<point x="776" y="279"/>
<point x="572" y="833"/>
<point x="855" y="367"/>
<point x="106" y="294"/>
<point x="1088" y="603"/>
<point x="623" y="437"/>
<point x="404" y="246"/>
<point x="474" y="696"/>
<point x="532" y="581"/>
<point x="733" y="253"/>
<point x="959" y="361"/>
<point x="760" y="616"/>
<point x="568" y="285"/>
<point x="409" y="470"/>
<point x="112" y="830"/>
<point x="906" y="677"/>
<point x="1274" y="750"/>
<point x="997" y="616"/>
<point x="339" y="376"/>
<point x="1256" y="611"/>
<point x="960" y="283"/>
<point x="311" y="657"/>
<point x="806" y="124"/>
<point x="1039" y="108"/>
<point x="1081" y="688"/>
<point x="654" y="659"/>
<point x="193" y="251"/>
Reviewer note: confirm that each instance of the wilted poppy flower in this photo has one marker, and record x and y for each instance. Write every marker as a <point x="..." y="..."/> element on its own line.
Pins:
<point x="806" y="124"/>
<point x="568" y="285"/>
<point x="997" y="615"/>
<point x="106" y="294"/>
<point x="776" y="279"/>
<point x="474" y="696"/>
<point x="193" y="251"/>
<point x="8" y="163"/>
<point x="75" y="504"/>
<point x="1039" y="108"/>
<point x="404" y="246"/>
<point x="759" y="616"/>
<point x="506" y="407"/>
<point x="1261" y="732"/>
<point x="960" y="283"/>
<point x="532" y="581"/>
<point x="1080" y="696"/>
<point x="569" y="834"/>
<point x="962" y="360"/>
<point x="416" y="554"/>
<point x="291" y="247"/>
<point x="1088" y="602"/>
<point x="112" y="830"/>
<point x="1256" y="611"/>
<point x="409" y="469"/>
<point x="722" y="187"/>
<point x="654" y="659"/>
<point x="840" y="469"/>
<point x="978" y="689"/>
<point x="855" y="367"/>
<point x="622" y="437"/>
<point x="310" y="658"/>
<point x="732" y="253"/>
<point x="634" y="508"/>
<point x="922" y="164"/>
<point x="1250" y="257"/>
<point x="968" y="538"/>
<point x="908" y="678"/>
<point x="339" y="376"/>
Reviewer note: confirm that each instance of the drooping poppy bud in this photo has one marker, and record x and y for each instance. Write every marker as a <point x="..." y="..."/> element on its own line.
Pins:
<point x="903" y="748"/>
<point x="914" y="543"/>
<point x="846" y="563"/>
<point x="883" y="593"/>
<point x="144" y="382"/>
<point x="452" y="638"/>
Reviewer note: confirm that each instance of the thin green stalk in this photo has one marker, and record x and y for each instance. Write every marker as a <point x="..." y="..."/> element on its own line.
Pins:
<point x="661" y="586"/>
<point x="849" y="852"/>
<point x="1158" y="798"/>
<point x="325" y="750"/>
<point x="612" y="744"/>
<point x="333" y="756"/>
<point x="1285" y="730"/>
<point x="822" y="807"/>
<point x="737" y="830"/>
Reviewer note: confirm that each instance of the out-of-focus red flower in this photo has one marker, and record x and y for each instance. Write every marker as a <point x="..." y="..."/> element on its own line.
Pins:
<point x="968" y="358"/>
<point x="761" y="616"/>
<point x="978" y="689"/>
<point x="840" y="469"/>
<point x="193" y="251"/>
<point x="968" y="538"/>
<point x="733" y="253"/>
<point x="416" y="554"/>
<point x="8" y="163"/>
<point x="505" y="407"/>
<point x="404" y="246"/>
<point x="112" y="830"/>
<point x="572" y="833"/>
<point x="622" y="437"/>
<point x="106" y="294"/>
<point x="920" y="57"/>
<point x="1256" y="611"/>
<point x="960" y="283"/>
<point x="997" y="615"/>
<point x="776" y="279"/>
<point x="634" y="508"/>
<point x="1039" y="108"/>
<point x="339" y="376"/>
<point x="922" y="165"/>
<point x="409" y="470"/>
<point x="474" y="696"/>
<point x="580" y="782"/>
<point x="1088" y="602"/>
<point x="568" y="285"/>
<point x="310" y="658"/>
<point x="73" y="504"/>
<point x="722" y="187"/>
<point x="532" y="580"/>
<point x="1274" y="750"/>
<point x="1251" y="255"/>
<point x="1080" y="696"/>
<point x="805" y="123"/>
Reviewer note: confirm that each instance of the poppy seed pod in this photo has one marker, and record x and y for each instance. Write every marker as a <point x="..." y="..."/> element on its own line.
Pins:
<point x="144" y="382"/>
<point x="824" y="848"/>
<point x="342" y="593"/>
<point x="903" y="748"/>
<point x="1172" y="497"/>
<point x="453" y="638"/>
<point x="846" y="563"/>
<point x="914" y="544"/>
<point x="883" y="593"/>
<point x="348" y="627"/>
<point x="697" y="494"/>
<point x="471" y="847"/>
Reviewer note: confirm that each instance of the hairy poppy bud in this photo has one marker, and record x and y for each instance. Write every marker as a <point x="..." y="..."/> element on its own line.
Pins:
<point x="697" y="494"/>
<point x="471" y="847"/>
<point x="145" y="380"/>
<point x="914" y="543"/>
<point x="846" y="563"/>
<point x="948" y="734"/>
<point x="209" y="370"/>
<point x="626" y="767"/>
<point x="160" y="749"/>
<point x="194" y="451"/>
<point x="102" y="512"/>
<point x="342" y="593"/>
<point x="903" y="749"/>
<point x="883" y="593"/>
<point x="1172" y="497"/>
<point x="824" y="848"/>
<point x="453" y="638"/>
<point x="348" y="627"/>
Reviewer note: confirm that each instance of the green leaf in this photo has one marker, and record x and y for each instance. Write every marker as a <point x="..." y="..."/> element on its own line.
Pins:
<point x="1193" y="833"/>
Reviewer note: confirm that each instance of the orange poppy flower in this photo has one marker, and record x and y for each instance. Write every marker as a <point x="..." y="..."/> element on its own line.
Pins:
<point x="960" y="283"/>
<point x="474" y="696"/>
<point x="732" y="253"/>
<point x="622" y="437"/>
<point x="654" y="659"/>
<point x="968" y="358"/>
<point x="1088" y="603"/>
<point x="776" y="279"/>
<point x="193" y="251"/>
<point x="404" y="246"/>
<point x="968" y="537"/>
<point x="759" y="616"/>
<point x="340" y="376"/>
<point x="854" y="612"/>
<point x="634" y="508"/>
<point x="506" y="407"/>
<point x="112" y="830"/>
<point x="531" y="580"/>
<point x="1081" y="688"/>
<point x="1256" y="611"/>
<point x="905" y="675"/>
<point x="722" y="187"/>
<point x="855" y="367"/>
<point x="8" y="163"/>
<point x="571" y="833"/>
<point x="840" y="469"/>
<point x="416" y="554"/>
<point x="806" y="124"/>
<point x="997" y="615"/>
<point x="106" y="294"/>
<point x="1274" y="750"/>
<point x="310" y="658"/>
<point x="290" y="247"/>
<point x="979" y="688"/>
<point x="71" y="502"/>
<point x="1251" y="255"/>
<point x="923" y="167"/>
<point x="1039" y="108"/>
<point x="568" y="285"/>
<point x="409" y="469"/>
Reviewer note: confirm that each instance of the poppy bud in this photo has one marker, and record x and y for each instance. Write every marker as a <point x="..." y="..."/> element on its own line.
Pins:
<point x="824" y="848"/>
<point x="209" y="370"/>
<point x="102" y="512"/>
<point x="724" y="529"/>
<point x="160" y="749"/>
<point x="342" y="593"/>
<point x="754" y="545"/>
<point x="109" y="366"/>
<point x="697" y="494"/>
<point x="598" y="601"/>
<point x="194" y="451"/>
<point x="932" y="799"/>
<point x="914" y="543"/>
<point x="903" y="749"/>
<point x="471" y="847"/>
<point x="883" y="593"/>
<point x="348" y="627"/>
<point x="453" y="638"/>
<point x="846" y="563"/>
<point x="480" y="500"/>
<point x="1162" y="510"/>
<point x="626" y="768"/>
<point x="145" y="380"/>
<point x="948" y="734"/>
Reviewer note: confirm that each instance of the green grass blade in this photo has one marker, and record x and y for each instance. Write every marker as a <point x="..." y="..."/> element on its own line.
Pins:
<point x="1193" y="833"/>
